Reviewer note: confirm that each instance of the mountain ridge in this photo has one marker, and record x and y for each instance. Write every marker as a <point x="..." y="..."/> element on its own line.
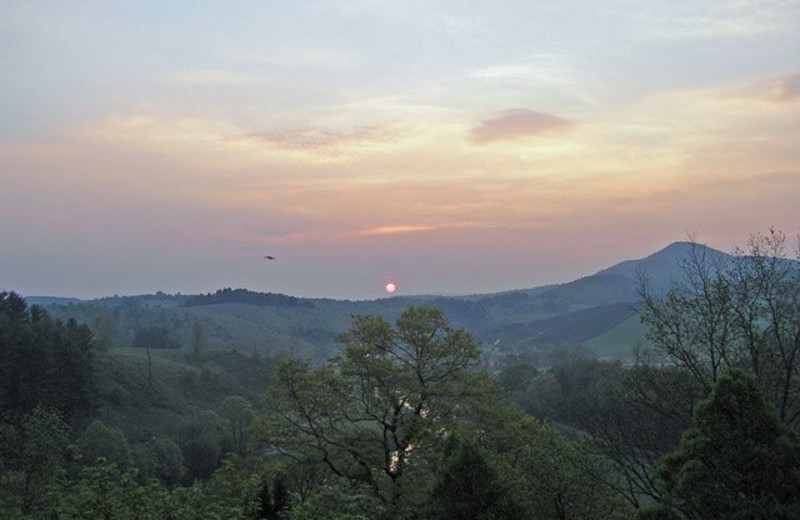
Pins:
<point x="270" y="324"/>
<point x="626" y="268"/>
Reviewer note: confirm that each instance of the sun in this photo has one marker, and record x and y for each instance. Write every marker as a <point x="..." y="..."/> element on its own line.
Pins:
<point x="390" y="287"/>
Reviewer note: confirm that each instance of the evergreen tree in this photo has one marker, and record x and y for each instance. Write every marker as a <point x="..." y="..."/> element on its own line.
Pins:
<point x="738" y="460"/>
<point x="43" y="362"/>
<point x="468" y="486"/>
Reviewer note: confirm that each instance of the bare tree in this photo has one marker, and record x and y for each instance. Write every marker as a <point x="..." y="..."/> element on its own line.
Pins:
<point x="741" y="311"/>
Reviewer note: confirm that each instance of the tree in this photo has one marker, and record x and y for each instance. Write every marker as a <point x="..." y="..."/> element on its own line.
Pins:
<point x="100" y="442"/>
<point x="103" y="491"/>
<point x="201" y="455"/>
<point x="550" y="475"/>
<point x="469" y="486"/>
<point x="273" y="502"/>
<point x="516" y="379"/>
<point x="239" y="413"/>
<point x="42" y="452"/>
<point x="376" y="413"/>
<point x="43" y="362"/>
<point x="155" y="337"/>
<point x="198" y="338"/>
<point x="159" y="458"/>
<point x="339" y="499"/>
<point x="738" y="460"/>
<point x="726" y="311"/>
<point x="734" y="312"/>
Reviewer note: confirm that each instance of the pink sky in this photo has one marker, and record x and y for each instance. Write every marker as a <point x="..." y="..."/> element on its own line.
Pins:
<point x="449" y="150"/>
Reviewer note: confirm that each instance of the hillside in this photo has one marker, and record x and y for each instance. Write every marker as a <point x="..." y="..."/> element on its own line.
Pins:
<point x="168" y="397"/>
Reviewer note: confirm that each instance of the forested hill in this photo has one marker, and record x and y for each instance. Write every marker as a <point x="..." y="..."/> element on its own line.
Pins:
<point x="596" y="313"/>
<point x="246" y="297"/>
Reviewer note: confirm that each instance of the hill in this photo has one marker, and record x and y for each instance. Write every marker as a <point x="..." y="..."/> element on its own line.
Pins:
<point x="584" y="311"/>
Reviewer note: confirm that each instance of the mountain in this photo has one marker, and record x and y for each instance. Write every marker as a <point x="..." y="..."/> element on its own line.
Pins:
<point x="598" y="311"/>
<point x="619" y="283"/>
<point x="663" y="268"/>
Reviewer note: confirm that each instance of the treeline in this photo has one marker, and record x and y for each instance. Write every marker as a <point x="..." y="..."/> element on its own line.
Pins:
<point x="246" y="297"/>
<point x="43" y="360"/>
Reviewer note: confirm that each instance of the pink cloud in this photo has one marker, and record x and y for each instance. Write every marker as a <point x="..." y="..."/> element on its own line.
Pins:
<point x="786" y="88"/>
<point x="779" y="89"/>
<point x="312" y="139"/>
<point x="516" y="123"/>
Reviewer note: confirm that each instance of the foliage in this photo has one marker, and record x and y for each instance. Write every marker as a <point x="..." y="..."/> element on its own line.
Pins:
<point x="725" y="312"/>
<point x="516" y="379"/>
<point x="159" y="458"/>
<point x="272" y="502"/>
<point x="551" y="476"/>
<point x="201" y="455"/>
<point x="469" y="485"/>
<point x="154" y="337"/>
<point x="198" y="338"/>
<point x="244" y="296"/>
<point x="738" y="460"/>
<point x="100" y="441"/>
<point x="339" y="499"/>
<point x="740" y="313"/>
<point x="33" y="459"/>
<point x="43" y="362"/>
<point x="239" y="413"/>
<point x="102" y="491"/>
<point x="376" y="413"/>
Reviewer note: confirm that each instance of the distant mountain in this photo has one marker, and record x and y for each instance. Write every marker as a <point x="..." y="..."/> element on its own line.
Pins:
<point x="663" y="268"/>
<point x="597" y="310"/>
<point x="597" y="306"/>
<point x="619" y="283"/>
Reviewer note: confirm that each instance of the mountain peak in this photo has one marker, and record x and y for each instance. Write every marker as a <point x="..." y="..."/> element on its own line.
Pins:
<point x="663" y="266"/>
<point x="682" y="248"/>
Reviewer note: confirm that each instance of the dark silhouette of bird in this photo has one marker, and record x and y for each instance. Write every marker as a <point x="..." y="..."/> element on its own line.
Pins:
<point x="269" y="257"/>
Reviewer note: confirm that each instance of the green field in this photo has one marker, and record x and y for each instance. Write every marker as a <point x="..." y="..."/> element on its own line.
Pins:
<point x="618" y="342"/>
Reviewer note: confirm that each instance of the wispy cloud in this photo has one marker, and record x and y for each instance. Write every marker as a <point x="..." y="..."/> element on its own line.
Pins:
<point x="517" y="123"/>
<point x="322" y="140"/>
<point x="323" y="235"/>
<point x="393" y="230"/>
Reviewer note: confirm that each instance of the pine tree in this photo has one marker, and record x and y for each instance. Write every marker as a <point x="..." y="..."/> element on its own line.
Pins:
<point x="738" y="460"/>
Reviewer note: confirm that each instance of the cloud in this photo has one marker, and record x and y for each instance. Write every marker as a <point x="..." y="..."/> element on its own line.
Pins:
<point x="516" y="123"/>
<point x="312" y="139"/>
<point x="321" y="235"/>
<point x="394" y="230"/>
<point x="786" y="88"/>
<point x="777" y="89"/>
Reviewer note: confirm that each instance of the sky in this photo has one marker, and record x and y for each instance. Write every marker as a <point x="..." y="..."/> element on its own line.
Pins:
<point x="451" y="147"/>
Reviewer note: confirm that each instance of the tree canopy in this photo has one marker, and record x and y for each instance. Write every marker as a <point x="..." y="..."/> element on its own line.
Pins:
<point x="737" y="460"/>
<point x="43" y="362"/>
<point x="372" y="413"/>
